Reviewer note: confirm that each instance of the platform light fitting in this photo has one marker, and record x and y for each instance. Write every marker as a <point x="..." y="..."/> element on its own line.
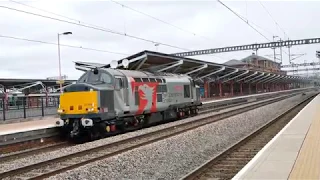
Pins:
<point x="125" y="63"/>
<point x="66" y="33"/>
<point x="114" y="64"/>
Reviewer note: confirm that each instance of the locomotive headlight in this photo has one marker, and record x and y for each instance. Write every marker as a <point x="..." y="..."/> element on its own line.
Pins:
<point x="90" y="109"/>
<point x="60" y="111"/>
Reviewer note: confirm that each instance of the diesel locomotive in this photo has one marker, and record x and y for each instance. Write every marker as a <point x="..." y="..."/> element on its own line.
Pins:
<point x="105" y="101"/>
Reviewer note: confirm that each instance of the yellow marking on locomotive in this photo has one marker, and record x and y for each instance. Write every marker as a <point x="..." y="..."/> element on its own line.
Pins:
<point x="82" y="102"/>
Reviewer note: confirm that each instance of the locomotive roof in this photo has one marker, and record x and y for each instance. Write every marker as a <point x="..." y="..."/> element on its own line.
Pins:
<point x="131" y="73"/>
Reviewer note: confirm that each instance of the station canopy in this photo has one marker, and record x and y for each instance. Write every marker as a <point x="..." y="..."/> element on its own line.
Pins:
<point x="29" y="85"/>
<point x="200" y="71"/>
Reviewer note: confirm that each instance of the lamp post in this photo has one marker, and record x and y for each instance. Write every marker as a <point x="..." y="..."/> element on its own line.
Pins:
<point x="60" y="78"/>
<point x="274" y="49"/>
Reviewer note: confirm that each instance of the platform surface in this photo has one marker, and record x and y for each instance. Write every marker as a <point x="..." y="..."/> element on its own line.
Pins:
<point x="294" y="153"/>
<point x="12" y="128"/>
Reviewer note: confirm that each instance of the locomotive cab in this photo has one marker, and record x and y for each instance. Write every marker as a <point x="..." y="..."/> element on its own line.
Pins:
<point x="89" y="100"/>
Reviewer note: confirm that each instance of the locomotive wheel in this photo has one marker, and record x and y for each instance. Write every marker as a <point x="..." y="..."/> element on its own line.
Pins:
<point x="196" y="111"/>
<point x="179" y="115"/>
<point x="188" y="112"/>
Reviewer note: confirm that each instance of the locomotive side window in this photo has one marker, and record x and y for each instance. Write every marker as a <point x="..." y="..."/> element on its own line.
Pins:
<point x="136" y="97"/>
<point x="119" y="83"/>
<point x="186" y="89"/>
<point x="83" y="78"/>
<point x="164" y="88"/>
<point x="161" y="88"/>
<point x="106" y="78"/>
<point x="137" y="80"/>
<point x="99" y="76"/>
<point x="152" y="80"/>
<point x="145" y="79"/>
<point x="93" y="77"/>
<point x="159" y="97"/>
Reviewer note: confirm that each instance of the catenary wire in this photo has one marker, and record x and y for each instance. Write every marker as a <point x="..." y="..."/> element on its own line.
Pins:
<point x="243" y="19"/>
<point x="277" y="24"/>
<point x="160" y="20"/>
<point x="95" y="28"/>
<point x="102" y="28"/>
<point x="66" y="45"/>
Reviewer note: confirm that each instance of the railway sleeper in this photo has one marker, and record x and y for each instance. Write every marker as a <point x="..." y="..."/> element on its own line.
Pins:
<point x="215" y="175"/>
<point x="219" y="173"/>
<point x="227" y="166"/>
<point x="240" y="154"/>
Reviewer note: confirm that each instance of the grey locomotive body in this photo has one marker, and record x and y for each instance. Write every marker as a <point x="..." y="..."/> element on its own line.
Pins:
<point x="109" y="100"/>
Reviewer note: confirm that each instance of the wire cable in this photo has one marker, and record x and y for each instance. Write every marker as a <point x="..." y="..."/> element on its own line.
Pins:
<point x="78" y="21"/>
<point x="243" y="19"/>
<point x="277" y="24"/>
<point x="273" y="18"/>
<point x="66" y="45"/>
<point x="95" y="28"/>
<point x="160" y="20"/>
<point x="87" y="25"/>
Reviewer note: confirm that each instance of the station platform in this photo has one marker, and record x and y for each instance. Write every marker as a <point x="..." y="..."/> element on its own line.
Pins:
<point x="18" y="127"/>
<point x="294" y="153"/>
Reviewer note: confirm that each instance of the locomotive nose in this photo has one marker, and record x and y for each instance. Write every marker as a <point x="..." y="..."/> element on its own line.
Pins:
<point x="79" y="99"/>
<point x="78" y="88"/>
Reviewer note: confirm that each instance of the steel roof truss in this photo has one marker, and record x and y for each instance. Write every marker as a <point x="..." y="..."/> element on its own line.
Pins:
<point x="263" y="77"/>
<point x="248" y="76"/>
<point x="172" y="66"/>
<point x="197" y="69"/>
<point x="226" y="75"/>
<point x="214" y="72"/>
<point x="262" y="74"/>
<point x="246" y="72"/>
<point x="270" y="78"/>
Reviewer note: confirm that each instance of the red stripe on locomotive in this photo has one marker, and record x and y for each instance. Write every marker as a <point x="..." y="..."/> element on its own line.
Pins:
<point x="147" y="95"/>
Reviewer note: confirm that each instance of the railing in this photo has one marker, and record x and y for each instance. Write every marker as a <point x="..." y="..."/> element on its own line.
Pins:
<point x="25" y="107"/>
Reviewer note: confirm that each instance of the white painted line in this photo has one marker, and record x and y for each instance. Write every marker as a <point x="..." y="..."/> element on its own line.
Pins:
<point x="257" y="156"/>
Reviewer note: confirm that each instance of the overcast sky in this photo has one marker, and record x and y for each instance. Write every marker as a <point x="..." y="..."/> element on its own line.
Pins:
<point x="213" y="26"/>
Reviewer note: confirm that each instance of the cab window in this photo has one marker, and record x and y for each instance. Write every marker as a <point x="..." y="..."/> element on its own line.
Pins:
<point x="106" y="78"/>
<point x="100" y="77"/>
<point x="119" y="83"/>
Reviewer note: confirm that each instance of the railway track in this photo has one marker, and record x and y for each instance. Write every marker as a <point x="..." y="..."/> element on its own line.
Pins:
<point x="52" y="146"/>
<point x="16" y="154"/>
<point x="33" y="151"/>
<point x="227" y="164"/>
<point x="58" y="165"/>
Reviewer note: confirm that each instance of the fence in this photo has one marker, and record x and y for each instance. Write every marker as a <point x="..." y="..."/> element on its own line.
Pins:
<point x="25" y="107"/>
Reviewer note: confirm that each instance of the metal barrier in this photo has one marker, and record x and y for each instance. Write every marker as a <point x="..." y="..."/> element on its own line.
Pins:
<point x="25" y="107"/>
